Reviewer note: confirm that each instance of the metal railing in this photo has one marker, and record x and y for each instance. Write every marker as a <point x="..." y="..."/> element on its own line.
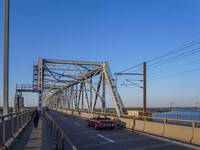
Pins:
<point x="61" y="139"/>
<point x="181" y="116"/>
<point x="24" y="86"/>
<point x="10" y="124"/>
<point x="192" y="123"/>
<point x="170" y="118"/>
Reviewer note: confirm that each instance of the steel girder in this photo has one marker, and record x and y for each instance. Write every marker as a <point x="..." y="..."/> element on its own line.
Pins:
<point x="70" y="84"/>
<point x="66" y="84"/>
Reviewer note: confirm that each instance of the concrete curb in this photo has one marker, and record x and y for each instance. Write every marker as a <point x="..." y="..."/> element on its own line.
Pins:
<point x="170" y="140"/>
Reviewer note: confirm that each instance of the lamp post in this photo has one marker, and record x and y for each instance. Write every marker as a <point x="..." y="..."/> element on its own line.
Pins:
<point x="6" y="58"/>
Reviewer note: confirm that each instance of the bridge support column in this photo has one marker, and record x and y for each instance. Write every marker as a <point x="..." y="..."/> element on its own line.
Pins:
<point x="103" y="93"/>
<point x="91" y="95"/>
<point x="40" y="84"/>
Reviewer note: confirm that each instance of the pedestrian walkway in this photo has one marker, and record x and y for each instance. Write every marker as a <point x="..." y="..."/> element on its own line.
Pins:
<point x="35" y="139"/>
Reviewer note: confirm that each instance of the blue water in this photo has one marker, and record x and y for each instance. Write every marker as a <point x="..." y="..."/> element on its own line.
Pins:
<point x="181" y="115"/>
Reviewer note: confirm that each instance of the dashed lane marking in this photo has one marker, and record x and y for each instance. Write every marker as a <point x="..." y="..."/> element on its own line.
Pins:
<point x="85" y="132"/>
<point x="120" y="134"/>
<point x="76" y="124"/>
<point x="105" y="138"/>
<point x="117" y="141"/>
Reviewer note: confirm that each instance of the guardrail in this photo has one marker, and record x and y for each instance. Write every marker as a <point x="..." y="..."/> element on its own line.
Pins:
<point x="193" y="123"/>
<point x="11" y="124"/>
<point x="58" y="132"/>
<point x="182" y="116"/>
<point x="172" y="118"/>
<point x="185" y="130"/>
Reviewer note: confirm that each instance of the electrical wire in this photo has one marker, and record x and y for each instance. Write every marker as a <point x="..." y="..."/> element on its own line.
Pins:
<point x="171" y="68"/>
<point x="175" y="74"/>
<point x="166" y="54"/>
<point x="174" y="58"/>
<point x="176" y="50"/>
<point x="130" y="68"/>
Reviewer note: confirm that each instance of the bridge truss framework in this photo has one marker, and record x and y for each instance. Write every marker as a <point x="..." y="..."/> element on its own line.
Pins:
<point x="69" y="84"/>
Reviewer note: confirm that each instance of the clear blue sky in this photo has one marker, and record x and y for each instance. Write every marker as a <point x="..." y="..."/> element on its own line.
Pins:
<point x="123" y="32"/>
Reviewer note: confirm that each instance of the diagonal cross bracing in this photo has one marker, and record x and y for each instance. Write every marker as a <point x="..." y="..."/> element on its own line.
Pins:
<point x="67" y="84"/>
<point x="63" y="75"/>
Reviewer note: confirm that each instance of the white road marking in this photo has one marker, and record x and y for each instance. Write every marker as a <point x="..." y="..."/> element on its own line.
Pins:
<point x="76" y="124"/>
<point x="105" y="138"/>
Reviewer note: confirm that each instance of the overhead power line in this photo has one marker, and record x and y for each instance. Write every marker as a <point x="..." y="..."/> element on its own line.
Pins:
<point x="191" y="70"/>
<point x="167" y="69"/>
<point x="176" y="50"/>
<point x="131" y="67"/>
<point x="193" y="43"/>
<point x="174" y="58"/>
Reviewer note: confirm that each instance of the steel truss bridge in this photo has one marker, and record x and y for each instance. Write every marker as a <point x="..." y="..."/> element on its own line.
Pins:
<point x="69" y="84"/>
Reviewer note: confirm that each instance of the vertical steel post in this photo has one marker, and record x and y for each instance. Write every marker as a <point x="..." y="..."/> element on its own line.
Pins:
<point x="40" y="84"/>
<point x="144" y="87"/>
<point x="60" y="99"/>
<point x="65" y="99"/>
<point x="17" y="122"/>
<point x="72" y="91"/>
<point x="6" y="58"/>
<point x="82" y="97"/>
<point x="68" y="99"/>
<point x="56" y="137"/>
<point x="103" y="93"/>
<point x="190" y="119"/>
<point x="4" y="131"/>
<point x="51" y="127"/>
<point x="76" y="97"/>
<point x="56" y="100"/>
<point x="116" y="80"/>
<point x="91" y="95"/>
<point x="194" y="124"/>
<point x="156" y="116"/>
<point x="62" y="140"/>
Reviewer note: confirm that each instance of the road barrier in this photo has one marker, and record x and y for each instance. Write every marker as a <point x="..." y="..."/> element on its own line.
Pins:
<point x="153" y="128"/>
<point x="181" y="130"/>
<point x="196" y="136"/>
<point x="139" y="125"/>
<point x="181" y="133"/>
<point x="61" y="139"/>
<point x="11" y="125"/>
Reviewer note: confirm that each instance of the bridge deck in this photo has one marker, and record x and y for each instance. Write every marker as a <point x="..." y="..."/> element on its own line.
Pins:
<point x="87" y="138"/>
<point x="35" y="139"/>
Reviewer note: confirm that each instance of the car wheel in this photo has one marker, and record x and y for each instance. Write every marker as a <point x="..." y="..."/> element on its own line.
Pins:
<point x="88" y="124"/>
<point x="96" y="127"/>
<point x="112" y="128"/>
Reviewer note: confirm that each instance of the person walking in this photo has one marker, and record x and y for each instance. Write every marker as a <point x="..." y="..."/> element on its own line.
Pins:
<point x="35" y="116"/>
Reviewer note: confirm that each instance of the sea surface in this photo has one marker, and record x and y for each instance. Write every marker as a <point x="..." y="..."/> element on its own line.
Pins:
<point x="181" y="115"/>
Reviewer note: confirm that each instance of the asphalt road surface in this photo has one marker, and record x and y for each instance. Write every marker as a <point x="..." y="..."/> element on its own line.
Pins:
<point x="87" y="138"/>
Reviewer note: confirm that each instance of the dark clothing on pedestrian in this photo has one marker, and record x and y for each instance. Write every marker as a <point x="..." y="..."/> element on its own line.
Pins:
<point x="35" y="116"/>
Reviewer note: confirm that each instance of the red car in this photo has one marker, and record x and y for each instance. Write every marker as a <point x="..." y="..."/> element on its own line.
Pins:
<point x="98" y="122"/>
